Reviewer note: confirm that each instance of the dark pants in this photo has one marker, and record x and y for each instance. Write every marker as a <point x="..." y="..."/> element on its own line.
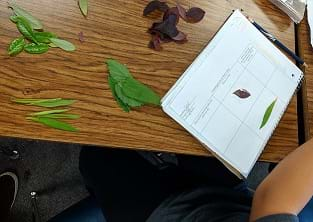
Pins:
<point x="129" y="188"/>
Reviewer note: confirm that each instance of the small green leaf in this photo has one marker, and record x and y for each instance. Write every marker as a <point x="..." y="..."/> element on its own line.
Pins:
<point x="49" y="103"/>
<point x="129" y="101"/>
<point x="35" y="23"/>
<point x="140" y="92"/>
<point x="49" y="112"/>
<point x="63" y="44"/>
<point x="44" y="37"/>
<point x="25" y="29"/>
<point x="118" y="71"/>
<point x="268" y="113"/>
<point x="34" y="48"/>
<point x="53" y="123"/>
<point x="29" y="101"/>
<point x="16" y="46"/>
<point x="112" y="84"/>
<point x="61" y="116"/>
<point x="13" y="18"/>
<point x="51" y="45"/>
<point x="83" y="5"/>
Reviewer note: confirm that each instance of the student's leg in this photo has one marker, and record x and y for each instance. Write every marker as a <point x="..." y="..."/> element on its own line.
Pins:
<point x="127" y="186"/>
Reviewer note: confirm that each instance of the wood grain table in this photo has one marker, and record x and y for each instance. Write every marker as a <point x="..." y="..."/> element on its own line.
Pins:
<point x="116" y="29"/>
<point x="306" y="52"/>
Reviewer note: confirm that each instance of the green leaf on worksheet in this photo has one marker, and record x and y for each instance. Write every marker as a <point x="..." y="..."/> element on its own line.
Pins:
<point x="35" y="23"/>
<point x="53" y="123"/>
<point x="268" y="113"/>
<point x="83" y="5"/>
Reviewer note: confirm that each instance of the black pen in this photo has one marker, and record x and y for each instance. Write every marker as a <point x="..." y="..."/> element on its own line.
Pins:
<point x="278" y="43"/>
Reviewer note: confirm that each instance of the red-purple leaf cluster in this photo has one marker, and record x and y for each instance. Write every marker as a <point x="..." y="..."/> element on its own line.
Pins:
<point x="166" y="30"/>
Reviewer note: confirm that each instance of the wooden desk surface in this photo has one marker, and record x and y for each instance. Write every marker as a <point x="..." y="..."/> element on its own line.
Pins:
<point x="306" y="52"/>
<point x="117" y="29"/>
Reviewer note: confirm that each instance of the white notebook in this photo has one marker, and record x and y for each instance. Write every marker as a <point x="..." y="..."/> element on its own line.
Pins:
<point x="222" y="98"/>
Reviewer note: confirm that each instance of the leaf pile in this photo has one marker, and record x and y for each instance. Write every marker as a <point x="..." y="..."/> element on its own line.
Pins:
<point x="33" y="40"/>
<point x="51" y="118"/>
<point x="127" y="91"/>
<point x="166" y="30"/>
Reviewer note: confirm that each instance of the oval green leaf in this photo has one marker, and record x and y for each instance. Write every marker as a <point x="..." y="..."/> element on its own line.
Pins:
<point x="16" y="46"/>
<point x="83" y="5"/>
<point x="25" y="29"/>
<point x="61" y="116"/>
<point x="53" y="123"/>
<point x="268" y="113"/>
<point x="34" y="48"/>
<point x="35" y="23"/>
<point x="63" y="44"/>
<point x="49" y="112"/>
<point x="44" y="37"/>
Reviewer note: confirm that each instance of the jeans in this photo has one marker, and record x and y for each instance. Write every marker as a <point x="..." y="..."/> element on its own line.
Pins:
<point x="306" y="215"/>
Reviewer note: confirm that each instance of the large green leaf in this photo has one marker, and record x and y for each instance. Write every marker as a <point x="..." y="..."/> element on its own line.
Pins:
<point x="268" y="113"/>
<point x="129" y="101"/>
<point x="138" y="91"/>
<point x="112" y="84"/>
<point x="53" y="123"/>
<point x="118" y="71"/>
<point x="35" y="23"/>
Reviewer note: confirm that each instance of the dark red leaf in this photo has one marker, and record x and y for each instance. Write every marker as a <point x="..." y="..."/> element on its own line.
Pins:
<point x="155" y="43"/>
<point x="167" y="27"/>
<point x="181" y="37"/>
<point x="171" y="11"/>
<point x="181" y="11"/>
<point x="81" y="37"/>
<point x="195" y="15"/>
<point x="155" y="5"/>
<point x="242" y="93"/>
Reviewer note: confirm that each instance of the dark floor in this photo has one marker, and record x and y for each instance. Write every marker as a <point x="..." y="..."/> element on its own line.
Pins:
<point x="51" y="169"/>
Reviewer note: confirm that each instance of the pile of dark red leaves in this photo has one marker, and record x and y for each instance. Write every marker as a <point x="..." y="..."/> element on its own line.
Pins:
<point x="166" y="30"/>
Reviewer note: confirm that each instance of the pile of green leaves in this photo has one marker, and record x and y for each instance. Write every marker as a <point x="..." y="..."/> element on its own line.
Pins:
<point x="128" y="91"/>
<point x="51" y="118"/>
<point x="33" y="40"/>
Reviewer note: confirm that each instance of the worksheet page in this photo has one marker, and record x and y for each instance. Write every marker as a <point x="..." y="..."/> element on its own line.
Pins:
<point x="234" y="94"/>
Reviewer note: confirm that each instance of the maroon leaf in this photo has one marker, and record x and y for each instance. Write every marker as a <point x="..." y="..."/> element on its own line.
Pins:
<point x="181" y="37"/>
<point x="81" y="37"/>
<point x="167" y="27"/>
<point x="242" y="93"/>
<point x="195" y="15"/>
<point x="155" y="43"/>
<point x="155" y="5"/>
<point x="181" y="11"/>
<point x="172" y="11"/>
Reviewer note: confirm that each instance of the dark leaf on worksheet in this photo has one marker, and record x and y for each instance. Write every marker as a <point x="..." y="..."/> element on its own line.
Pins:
<point x="195" y="15"/>
<point x="172" y="12"/>
<point x="242" y="93"/>
<point x="181" y="11"/>
<point x="155" y="5"/>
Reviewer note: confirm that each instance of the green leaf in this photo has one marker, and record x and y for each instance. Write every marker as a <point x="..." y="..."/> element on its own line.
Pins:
<point x="25" y="29"/>
<point x="16" y="46"/>
<point x="61" y="116"/>
<point x="53" y="123"/>
<point x="49" y="112"/>
<point x="138" y="91"/>
<point x="63" y="44"/>
<point x="51" y="45"/>
<point x="112" y="84"/>
<point x="129" y="101"/>
<point x="49" y="103"/>
<point x="118" y="71"/>
<point x="44" y="37"/>
<point x="83" y="5"/>
<point x="13" y="18"/>
<point x="268" y="113"/>
<point x="35" y="23"/>
<point x="34" y="48"/>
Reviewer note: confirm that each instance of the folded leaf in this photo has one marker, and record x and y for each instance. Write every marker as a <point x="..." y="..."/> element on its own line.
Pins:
<point x="35" y="23"/>
<point x="155" y="5"/>
<point x="129" y="101"/>
<point x="53" y="123"/>
<point x="49" y="112"/>
<point x="118" y="71"/>
<point x="268" y="113"/>
<point x="112" y="84"/>
<point x="34" y="48"/>
<point x="25" y="29"/>
<point x="16" y="46"/>
<point x="83" y="5"/>
<point x="138" y="91"/>
<point x="44" y="37"/>
<point x="29" y="101"/>
<point x="61" y="116"/>
<point x="195" y="15"/>
<point x="13" y="18"/>
<point x="63" y="44"/>
<point x="49" y="103"/>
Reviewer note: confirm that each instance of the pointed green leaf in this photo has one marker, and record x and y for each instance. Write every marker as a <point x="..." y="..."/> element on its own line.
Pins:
<point x="268" y="113"/>
<point x="53" y="123"/>
<point x="34" y="48"/>
<point x="118" y="71"/>
<point x="61" y="116"/>
<point x="49" y="103"/>
<point x="112" y="84"/>
<point x="83" y="5"/>
<point x="13" y="18"/>
<point x="140" y="92"/>
<point x="16" y="46"/>
<point x="29" y="101"/>
<point x="35" y="23"/>
<point x="49" y="112"/>
<point x="129" y="101"/>
<point x="44" y="37"/>
<point x="63" y="44"/>
<point x="25" y="29"/>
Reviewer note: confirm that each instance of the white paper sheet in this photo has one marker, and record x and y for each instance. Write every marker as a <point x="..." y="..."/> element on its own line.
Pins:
<point x="310" y="17"/>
